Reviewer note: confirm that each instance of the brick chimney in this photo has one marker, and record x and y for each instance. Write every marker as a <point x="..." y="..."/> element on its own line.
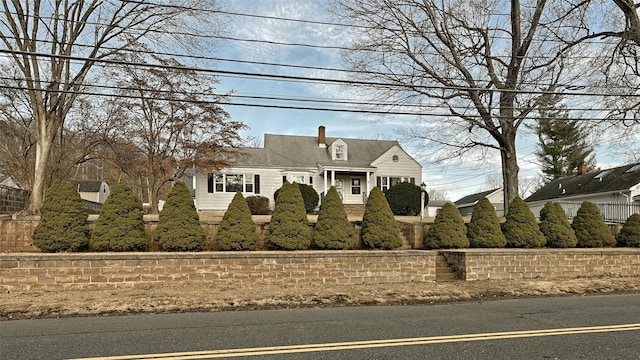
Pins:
<point x="322" y="141"/>
<point x="582" y="169"/>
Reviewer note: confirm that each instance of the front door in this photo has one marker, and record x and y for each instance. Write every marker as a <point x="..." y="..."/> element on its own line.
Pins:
<point x="354" y="190"/>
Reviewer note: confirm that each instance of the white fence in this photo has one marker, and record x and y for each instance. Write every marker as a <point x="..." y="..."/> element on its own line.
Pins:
<point x="611" y="212"/>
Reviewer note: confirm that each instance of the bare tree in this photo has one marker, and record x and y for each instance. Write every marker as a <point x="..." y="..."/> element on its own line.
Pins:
<point x="170" y="121"/>
<point x="56" y="45"/>
<point x="484" y="66"/>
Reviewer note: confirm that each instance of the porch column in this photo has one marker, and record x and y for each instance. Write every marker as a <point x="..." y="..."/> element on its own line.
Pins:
<point x="368" y="179"/>
<point x="325" y="182"/>
<point x="333" y="178"/>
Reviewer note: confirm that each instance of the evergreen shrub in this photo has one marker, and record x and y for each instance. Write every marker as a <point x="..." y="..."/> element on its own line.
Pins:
<point x="404" y="199"/>
<point x="333" y="231"/>
<point x="521" y="227"/>
<point x="63" y="220"/>
<point x="483" y="231"/>
<point x="237" y="230"/>
<point x="629" y="236"/>
<point x="289" y="229"/>
<point x="258" y="205"/>
<point x="379" y="227"/>
<point x="310" y="196"/>
<point x="179" y="226"/>
<point x="448" y="230"/>
<point x="590" y="229"/>
<point x="120" y="226"/>
<point x="555" y="226"/>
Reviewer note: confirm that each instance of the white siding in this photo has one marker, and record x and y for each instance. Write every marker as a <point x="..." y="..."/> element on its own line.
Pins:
<point x="405" y="166"/>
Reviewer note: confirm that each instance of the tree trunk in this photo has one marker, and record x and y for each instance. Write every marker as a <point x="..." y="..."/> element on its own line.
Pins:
<point x="43" y="151"/>
<point x="510" y="170"/>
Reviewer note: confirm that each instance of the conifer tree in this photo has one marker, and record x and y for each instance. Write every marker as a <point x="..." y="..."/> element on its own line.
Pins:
<point x="555" y="226"/>
<point x="630" y="234"/>
<point x="179" y="226"/>
<point x="448" y="230"/>
<point x="404" y="199"/>
<point x="590" y="229"/>
<point x="483" y="230"/>
<point x="120" y="226"/>
<point x="289" y="229"/>
<point x="562" y="142"/>
<point x="521" y="228"/>
<point x="379" y="227"/>
<point x="333" y="229"/>
<point x="237" y="230"/>
<point x="63" y="220"/>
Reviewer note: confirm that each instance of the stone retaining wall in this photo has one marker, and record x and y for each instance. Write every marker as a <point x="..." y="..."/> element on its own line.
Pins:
<point x="483" y="264"/>
<point x="53" y="272"/>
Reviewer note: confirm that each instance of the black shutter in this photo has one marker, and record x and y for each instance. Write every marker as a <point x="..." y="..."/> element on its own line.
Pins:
<point x="210" y="183"/>
<point x="256" y="184"/>
<point x="379" y="182"/>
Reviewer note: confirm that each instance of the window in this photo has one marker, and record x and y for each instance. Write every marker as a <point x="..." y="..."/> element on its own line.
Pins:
<point x="232" y="183"/>
<point x="386" y="182"/>
<point x="339" y="152"/>
<point x="395" y="181"/>
<point x="355" y="187"/>
<point x="297" y="178"/>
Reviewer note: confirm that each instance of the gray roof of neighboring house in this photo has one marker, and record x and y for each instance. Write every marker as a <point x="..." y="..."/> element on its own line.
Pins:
<point x="87" y="185"/>
<point x="594" y="182"/>
<point x="473" y="198"/>
<point x="303" y="151"/>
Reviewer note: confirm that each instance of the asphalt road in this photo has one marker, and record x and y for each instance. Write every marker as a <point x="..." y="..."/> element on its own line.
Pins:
<point x="579" y="327"/>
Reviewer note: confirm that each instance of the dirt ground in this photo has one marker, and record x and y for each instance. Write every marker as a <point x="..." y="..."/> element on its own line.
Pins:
<point x="184" y="297"/>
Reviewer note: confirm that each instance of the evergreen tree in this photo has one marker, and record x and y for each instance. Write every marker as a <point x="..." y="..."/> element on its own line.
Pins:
<point x="333" y="229"/>
<point x="590" y="229"/>
<point x="484" y="228"/>
<point x="120" y="226"/>
<point x="404" y="199"/>
<point x="448" y="230"/>
<point x="630" y="234"/>
<point x="562" y="143"/>
<point x="521" y="228"/>
<point x="555" y="226"/>
<point x="237" y="230"/>
<point x="63" y="220"/>
<point x="379" y="227"/>
<point x="179" y="226"/>
<point x="289" y="229"/>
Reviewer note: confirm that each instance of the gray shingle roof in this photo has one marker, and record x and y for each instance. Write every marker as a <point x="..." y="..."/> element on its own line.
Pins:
<point x="87" y="185"/>
<point x="593" y="182"/>
<point x="303" y="151"/>
<point x="473" y="198"/>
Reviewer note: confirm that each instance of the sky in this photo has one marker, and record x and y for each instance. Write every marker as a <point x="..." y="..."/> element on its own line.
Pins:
<point x="456" y="178"/>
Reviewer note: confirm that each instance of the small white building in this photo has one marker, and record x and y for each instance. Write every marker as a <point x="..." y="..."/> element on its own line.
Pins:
<point x="495" y="196"/>
<point x="353" y="166"/>
<point x="92" y="190"/>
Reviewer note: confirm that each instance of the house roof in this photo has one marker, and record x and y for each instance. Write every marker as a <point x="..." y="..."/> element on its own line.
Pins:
<point x="303" y="151"/>
<point x="474" y="198"/>
<point x="594" y="182"/>
<point x="87" y="185"/>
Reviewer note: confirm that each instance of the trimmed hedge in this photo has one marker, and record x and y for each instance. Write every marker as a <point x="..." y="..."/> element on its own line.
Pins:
<point x="379" y="227"/>
<point x="590" y="229"/>
<point x="630" y="233"/>
<point x="63" y="220"/>
<point x="179" y="226"/>
<point x="448" y="230"/>
<point x="120" y="226"/>
<point x="289" y="229"/>
<point x="258" y="205"/>
<point x="483" y="231"/>
<point x="237" y="230"/>
<point x="555" y="226"/>
<point x="521" y="227"/>
<point x="404" y="199"/>
<point x="333" y="231"/>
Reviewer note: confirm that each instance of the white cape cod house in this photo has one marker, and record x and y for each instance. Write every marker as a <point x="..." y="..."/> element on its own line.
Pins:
<point x="353" y="166"/>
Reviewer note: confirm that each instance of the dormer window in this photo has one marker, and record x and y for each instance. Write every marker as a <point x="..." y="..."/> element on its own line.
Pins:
<point x="339" y="150"/>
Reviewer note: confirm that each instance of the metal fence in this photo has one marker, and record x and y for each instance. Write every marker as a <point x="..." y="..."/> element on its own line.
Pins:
<point x="611" y="212"/>
<point x="12" y="200"/>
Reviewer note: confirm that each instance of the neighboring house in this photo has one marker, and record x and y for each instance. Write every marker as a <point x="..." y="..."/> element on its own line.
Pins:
<point x="7" y="181"/>
<point x="353" y="166"/>
<point x="433" y="207"/>
<point x="496" y="198"/>
<point x="616" y="191"/>
<point x="92" y="190"/>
